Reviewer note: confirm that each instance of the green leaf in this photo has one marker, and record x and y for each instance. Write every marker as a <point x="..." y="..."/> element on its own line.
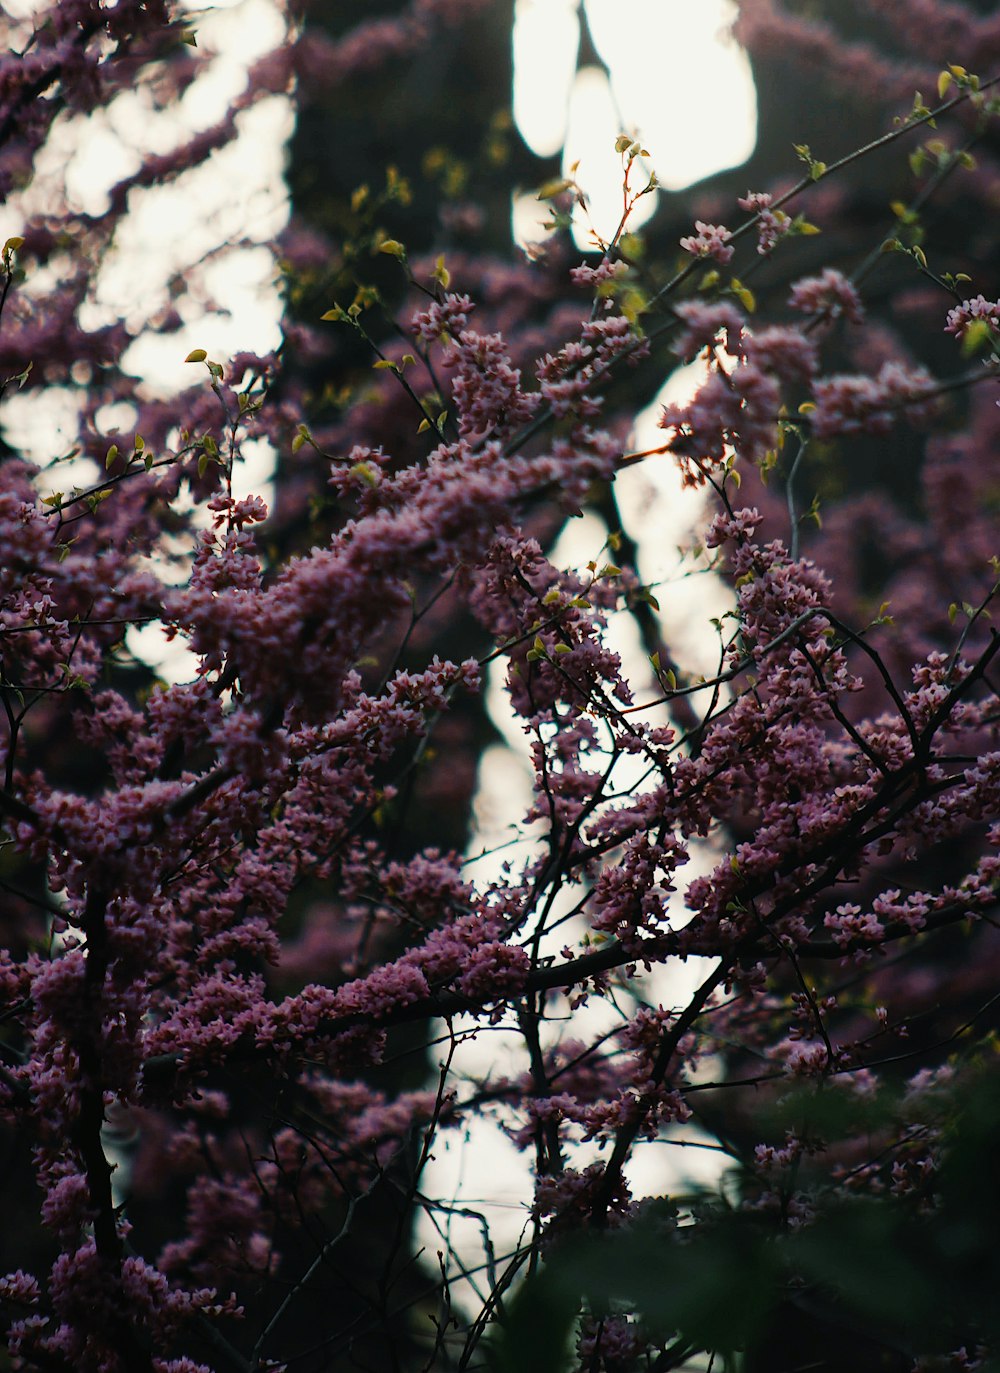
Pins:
<point x="366" y="473"/>
<point x="550" y="189"/>
<point x="716" y="1289"/>
<point x="536" y="1336"/>
<point x="744" y="295"/>
<point x="976" y="336"/>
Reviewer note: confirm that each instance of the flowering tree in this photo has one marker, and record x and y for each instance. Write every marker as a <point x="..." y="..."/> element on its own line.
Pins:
<point x="215" y="945"/>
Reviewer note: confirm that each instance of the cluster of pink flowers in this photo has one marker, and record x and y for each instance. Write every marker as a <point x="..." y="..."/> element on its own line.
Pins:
<point x="829" y="296"/>
<point x="772" y="225"/>
<point x="709" y="240"/>
<point x="860" y="404"/>
<point x="736" y="408"/>
<point x="485" y="388"/>
<point x="593" y="277"/>
<point x="978" y="308"/>
<point x="241" y="909"/>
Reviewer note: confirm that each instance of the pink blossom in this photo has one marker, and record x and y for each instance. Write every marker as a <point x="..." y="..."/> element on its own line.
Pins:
<point x="772" y="225"/>
<point x="851" y="404"/>
<point x="829" y="296"/>
<point x="702" y="325"/>
<point x="978" y="308"/>
<point x="709" y="240"/>
<point x="593" y="277"/>
<point x="19" y="1287"/>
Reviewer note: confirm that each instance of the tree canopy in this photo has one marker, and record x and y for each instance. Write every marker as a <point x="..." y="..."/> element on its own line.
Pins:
<point x="254" y="957"/>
